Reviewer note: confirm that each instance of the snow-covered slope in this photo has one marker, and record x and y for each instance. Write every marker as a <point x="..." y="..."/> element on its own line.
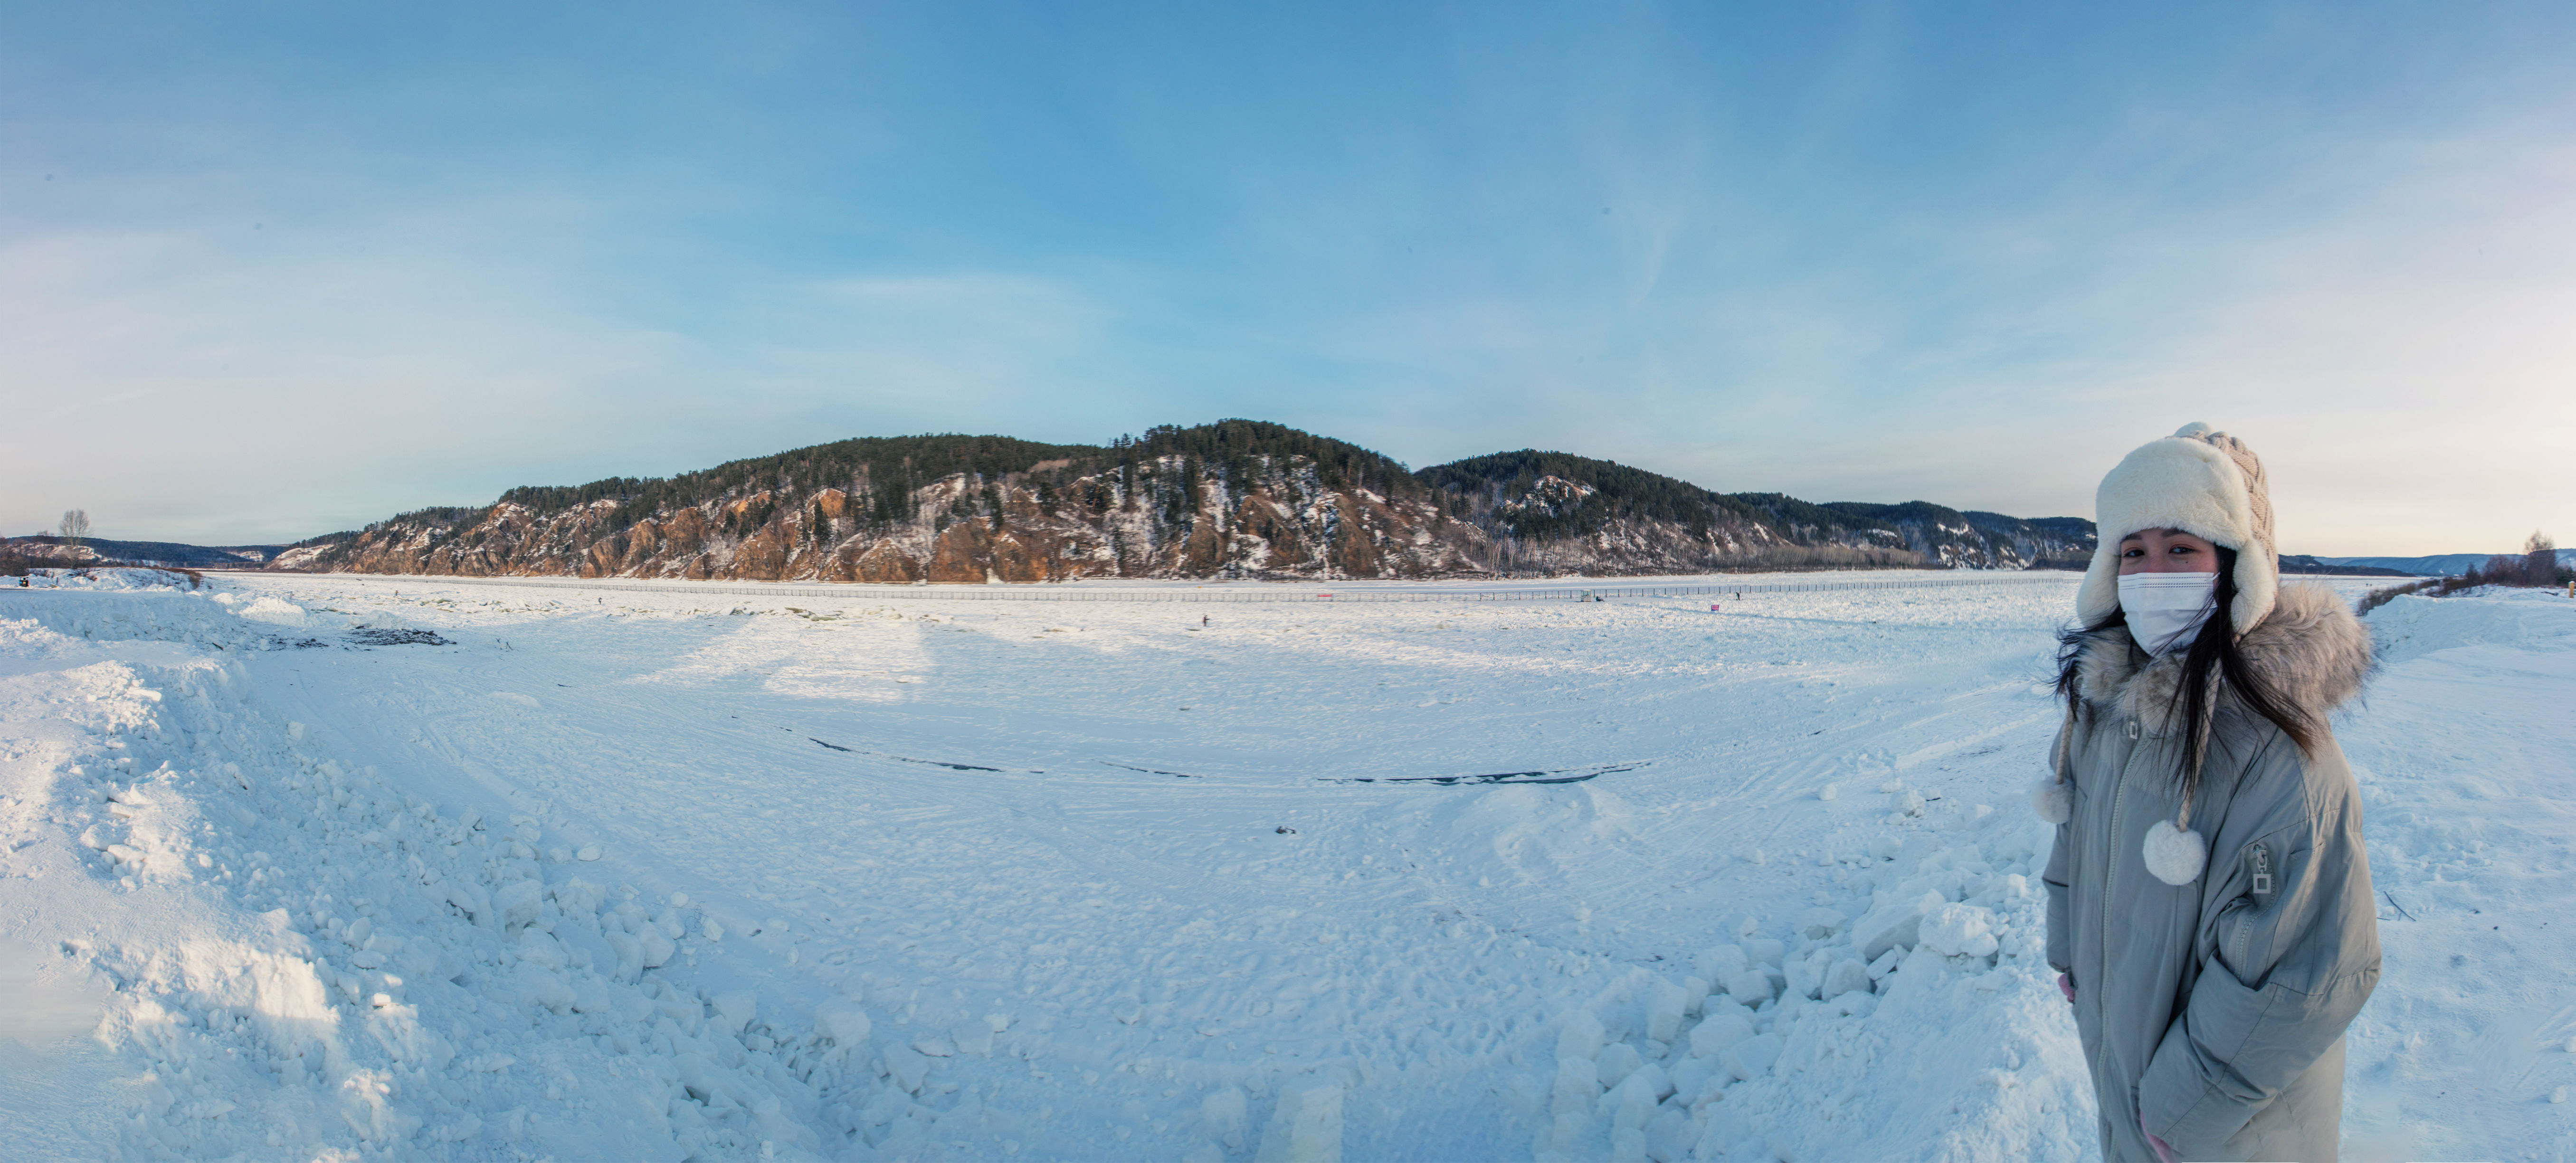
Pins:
<point x="437" y="869"/>
<point x="108" y="580"/>
<point x="282" y="954"/>
<point x="2466" y="754"/>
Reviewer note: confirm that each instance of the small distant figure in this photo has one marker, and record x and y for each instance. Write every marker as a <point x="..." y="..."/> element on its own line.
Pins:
<point x="1203" y="620"/>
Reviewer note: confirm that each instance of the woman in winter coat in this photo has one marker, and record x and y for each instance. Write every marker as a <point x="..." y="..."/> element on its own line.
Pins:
<point x="2209" y="902"/>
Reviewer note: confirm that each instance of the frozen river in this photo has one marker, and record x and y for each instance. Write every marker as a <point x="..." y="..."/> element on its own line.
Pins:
<point x="934" y="876"/>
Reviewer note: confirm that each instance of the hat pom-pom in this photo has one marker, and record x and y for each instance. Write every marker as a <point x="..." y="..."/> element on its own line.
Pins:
<point x="2174" y="855"/>
<point x="2054" y="801"/>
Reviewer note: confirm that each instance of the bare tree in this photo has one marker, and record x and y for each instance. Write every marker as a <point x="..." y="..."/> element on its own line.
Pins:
<point x="74" y="529"/>
<point x="2540" y="559"/>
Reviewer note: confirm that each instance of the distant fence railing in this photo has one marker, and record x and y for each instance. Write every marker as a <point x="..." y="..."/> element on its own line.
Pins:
<point x="1276" y="592"/>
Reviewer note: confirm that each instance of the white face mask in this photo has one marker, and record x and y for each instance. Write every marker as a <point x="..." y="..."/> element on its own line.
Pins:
<point x="2166" y="609"/>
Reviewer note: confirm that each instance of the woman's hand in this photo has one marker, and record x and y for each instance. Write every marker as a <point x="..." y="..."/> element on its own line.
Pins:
<point x="2066" y="985"/>
<point x="2164" y="1154"/>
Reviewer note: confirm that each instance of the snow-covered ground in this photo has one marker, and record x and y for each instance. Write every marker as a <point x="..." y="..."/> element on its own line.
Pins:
<point x="359" y="867"/>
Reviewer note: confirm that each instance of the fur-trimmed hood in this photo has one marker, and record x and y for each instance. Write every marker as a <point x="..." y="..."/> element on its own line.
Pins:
<point x="2311" y="651"/>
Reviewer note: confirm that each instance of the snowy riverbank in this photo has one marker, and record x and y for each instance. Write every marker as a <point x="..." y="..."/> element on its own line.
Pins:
<point x="433" y="869"/>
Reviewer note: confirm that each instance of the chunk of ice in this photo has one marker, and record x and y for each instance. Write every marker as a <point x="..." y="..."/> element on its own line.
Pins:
<point x="1580" y="1036"/>
<point x="844" y="1020"/>
<point x="735" y="1010"/>
<point x="1617" y="1062"/>
<point x="1306" y="1128"/>
<point x="1753" y="1057"/>
<point x="1665" y="1004"/>
<point x="1893" y="925"/>
<point x="1717" y="1033"/>
<point x="520" y="902"/>
<point x="907" y="1067"/>
<point x="656" y="946"/>
<point x="1959" y="930"/>
<point x="1224" y="1114"/>
<point x="1721" y="962"/>
<point x="1578" y="1084"/>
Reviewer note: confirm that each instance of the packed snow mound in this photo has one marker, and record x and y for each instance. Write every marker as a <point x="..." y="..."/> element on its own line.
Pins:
<point x="379" y="627"/>
<point x="273" y="611"/>
<point x="2462" y="759"/>
<point x="1921" y="1027"/>
<point x="190" y="619"/>
<point x="2413" y="626"/>
<point x="308" y="960"/>
<point x="106" y="580"/>
<point x="378" y="620"/>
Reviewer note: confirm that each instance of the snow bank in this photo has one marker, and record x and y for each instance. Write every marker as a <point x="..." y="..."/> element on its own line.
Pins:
<point x="2462" y="753"/>
<point x="1925" y="1026"/>
<point x="273" y="611"/>
<point x="2412" y="626"/>
<point x="189" y="619"/>
<point x="105" y="580"/>
<point x="306" y="960"/>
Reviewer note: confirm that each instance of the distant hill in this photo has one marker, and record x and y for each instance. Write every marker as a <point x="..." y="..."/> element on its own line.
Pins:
<point x="1233" y="499"/>
<point x="1558" y="510"/>
<point x="2437" y="565"/>
<point x="47" y="550"/>
<point x="2304" y="563"/>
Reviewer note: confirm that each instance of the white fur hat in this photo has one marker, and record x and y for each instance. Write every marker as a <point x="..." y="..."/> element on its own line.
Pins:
<point x="2205" y="483"/>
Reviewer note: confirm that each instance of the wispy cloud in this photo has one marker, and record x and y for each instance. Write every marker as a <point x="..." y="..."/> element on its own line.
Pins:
<point x="299" y="273"/>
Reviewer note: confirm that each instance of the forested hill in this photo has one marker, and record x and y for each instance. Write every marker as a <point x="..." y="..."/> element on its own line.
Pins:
<point x="1542" y="507"/>
<point x="47" y="550"/>
<point x="1237" y="498"/>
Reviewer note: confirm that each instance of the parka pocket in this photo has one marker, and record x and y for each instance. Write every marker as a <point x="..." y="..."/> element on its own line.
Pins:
<point x="2236" y="937"/>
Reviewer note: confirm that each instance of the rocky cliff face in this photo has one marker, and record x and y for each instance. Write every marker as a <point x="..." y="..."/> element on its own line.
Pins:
<point x="1039" y="526"/>
<point x="1237" y="499"/>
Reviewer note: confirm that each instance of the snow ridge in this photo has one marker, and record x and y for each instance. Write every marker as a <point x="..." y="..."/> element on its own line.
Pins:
<point x="1924" y="1027"/>
<point x="350" y="971"/>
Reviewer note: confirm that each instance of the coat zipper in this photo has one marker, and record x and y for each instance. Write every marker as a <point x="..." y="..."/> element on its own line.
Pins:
<point x="2111" y="859"/>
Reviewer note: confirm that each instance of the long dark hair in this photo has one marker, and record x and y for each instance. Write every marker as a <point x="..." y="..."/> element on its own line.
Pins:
<point x="2213" y="656"/>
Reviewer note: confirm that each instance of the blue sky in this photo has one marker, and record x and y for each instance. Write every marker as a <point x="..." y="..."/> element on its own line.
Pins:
<point x="272" y="270"/>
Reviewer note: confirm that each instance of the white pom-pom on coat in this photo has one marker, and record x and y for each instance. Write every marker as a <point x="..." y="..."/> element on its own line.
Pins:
<point x="2174" y="855"/>
<point x="2054" y="801"/>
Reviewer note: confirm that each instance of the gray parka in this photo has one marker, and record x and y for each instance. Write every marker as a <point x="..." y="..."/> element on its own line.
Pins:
<point x="2216" y="1008"/>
